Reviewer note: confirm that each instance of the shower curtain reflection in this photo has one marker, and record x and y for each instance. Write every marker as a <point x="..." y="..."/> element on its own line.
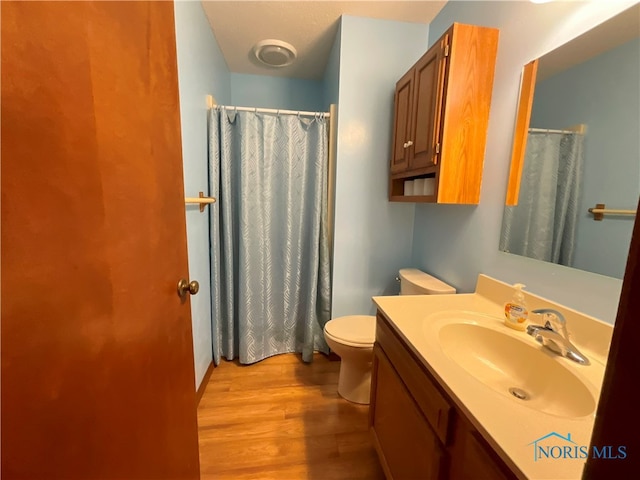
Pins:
<point x="543" y="224"/>
<point x="269" y="245"/>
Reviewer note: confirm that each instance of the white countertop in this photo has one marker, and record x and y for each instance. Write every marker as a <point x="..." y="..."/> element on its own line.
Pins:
<point x="504" y="421"/>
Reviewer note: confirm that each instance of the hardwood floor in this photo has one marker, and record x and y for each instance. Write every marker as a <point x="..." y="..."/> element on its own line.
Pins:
<point x="282" y="419"/>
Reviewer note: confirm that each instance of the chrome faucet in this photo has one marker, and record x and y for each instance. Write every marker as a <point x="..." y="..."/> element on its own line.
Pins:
<point x="554" y="336"/>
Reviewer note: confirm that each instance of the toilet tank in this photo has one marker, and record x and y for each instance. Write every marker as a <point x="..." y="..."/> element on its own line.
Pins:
<point x="416" y="282"/>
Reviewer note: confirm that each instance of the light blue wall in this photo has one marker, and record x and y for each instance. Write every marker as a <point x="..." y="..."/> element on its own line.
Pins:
<point x="276" y="92"/>
<point x="331" y="78"/>
<point x="456" y="242"/>
<point x="604" y="94"/>
<point x="201" y="71"/>
<point x="372" y="236"/>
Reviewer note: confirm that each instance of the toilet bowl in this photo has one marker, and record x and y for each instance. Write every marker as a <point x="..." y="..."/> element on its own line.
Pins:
<point x="352" y="337"/>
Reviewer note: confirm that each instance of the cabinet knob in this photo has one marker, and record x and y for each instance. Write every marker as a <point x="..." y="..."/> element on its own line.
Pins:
<point x="408" y="144"/>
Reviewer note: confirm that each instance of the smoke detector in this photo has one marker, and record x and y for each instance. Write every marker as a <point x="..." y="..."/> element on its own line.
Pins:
<point x="274" y="53"/>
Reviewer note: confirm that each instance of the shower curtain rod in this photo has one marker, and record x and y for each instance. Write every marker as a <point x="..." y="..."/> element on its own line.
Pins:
<point x="271" y="110"/>
<point x="547" y="130"/>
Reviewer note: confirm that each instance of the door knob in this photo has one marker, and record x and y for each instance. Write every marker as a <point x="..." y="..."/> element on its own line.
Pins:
<point x="185" y="287"/>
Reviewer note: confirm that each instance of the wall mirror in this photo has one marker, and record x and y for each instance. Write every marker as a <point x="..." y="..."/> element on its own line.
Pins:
<point x="577" y="146"/>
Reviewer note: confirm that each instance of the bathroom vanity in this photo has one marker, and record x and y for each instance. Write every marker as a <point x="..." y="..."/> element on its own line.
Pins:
<point x="417" y="430"/>
<point x="444" y="370"/>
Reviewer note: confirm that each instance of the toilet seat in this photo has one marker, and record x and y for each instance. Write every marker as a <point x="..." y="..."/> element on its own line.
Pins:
<point x="352" y="330"/>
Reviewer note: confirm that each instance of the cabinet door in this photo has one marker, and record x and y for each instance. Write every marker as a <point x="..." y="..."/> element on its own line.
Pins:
<point x="407" y="447"/>
<point x="473" y="458"/>
<point x="429" y="92"/>
<point x="402" y="123"/>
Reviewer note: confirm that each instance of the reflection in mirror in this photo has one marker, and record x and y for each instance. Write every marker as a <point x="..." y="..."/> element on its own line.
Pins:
<point x="580" y="147"/>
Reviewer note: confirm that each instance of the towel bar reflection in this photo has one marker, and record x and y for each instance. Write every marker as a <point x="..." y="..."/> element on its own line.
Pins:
<point x="200" y="199"/>
<point x="600" y="211"/>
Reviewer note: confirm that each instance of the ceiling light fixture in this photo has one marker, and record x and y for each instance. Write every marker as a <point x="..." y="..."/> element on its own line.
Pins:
<point x="275" y="53"/>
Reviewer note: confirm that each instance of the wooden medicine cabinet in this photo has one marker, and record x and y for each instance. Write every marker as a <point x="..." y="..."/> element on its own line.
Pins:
<point x="441" y="116"/>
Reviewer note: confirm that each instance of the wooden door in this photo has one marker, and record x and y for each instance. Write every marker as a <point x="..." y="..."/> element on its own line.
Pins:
<point x="402" y="123"/>
<point x="617" y="416"/>
<point x="97" y="355"/>
<point x="429" y="94"/>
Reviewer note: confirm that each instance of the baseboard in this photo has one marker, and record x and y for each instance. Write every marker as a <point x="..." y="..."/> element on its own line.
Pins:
<point x="203" y="383"/>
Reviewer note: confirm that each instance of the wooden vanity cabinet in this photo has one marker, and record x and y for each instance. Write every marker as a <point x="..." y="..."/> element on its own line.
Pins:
<point x="416" y="428"/>
<point x="441" y="115"/>
<point x="472" y="457"/>
<point x="396" y="417"/>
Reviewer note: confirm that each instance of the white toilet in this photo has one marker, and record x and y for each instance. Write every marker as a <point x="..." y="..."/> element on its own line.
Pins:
<point x="352" y="337"/>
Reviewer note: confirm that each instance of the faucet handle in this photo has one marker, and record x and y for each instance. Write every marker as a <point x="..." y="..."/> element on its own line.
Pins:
<point x="553" y="320"/>
<point x="534" y="329"/>
<point x="556" y="322"/>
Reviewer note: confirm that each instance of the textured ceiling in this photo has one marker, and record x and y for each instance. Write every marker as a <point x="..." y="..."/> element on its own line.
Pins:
<point x="310" y="26"/>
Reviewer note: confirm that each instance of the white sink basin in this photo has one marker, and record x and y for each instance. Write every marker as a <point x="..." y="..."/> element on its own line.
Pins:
<point x="515" y="368"/>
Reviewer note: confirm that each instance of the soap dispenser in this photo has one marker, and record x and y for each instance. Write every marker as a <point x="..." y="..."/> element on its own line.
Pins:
<point x="515" y="311"/>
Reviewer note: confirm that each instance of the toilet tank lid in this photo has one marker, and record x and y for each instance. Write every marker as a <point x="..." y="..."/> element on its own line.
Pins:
<point x="423" y="280"/>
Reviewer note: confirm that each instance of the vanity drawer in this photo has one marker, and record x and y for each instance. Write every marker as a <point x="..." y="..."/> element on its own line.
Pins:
<point x="426" y="394"/>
